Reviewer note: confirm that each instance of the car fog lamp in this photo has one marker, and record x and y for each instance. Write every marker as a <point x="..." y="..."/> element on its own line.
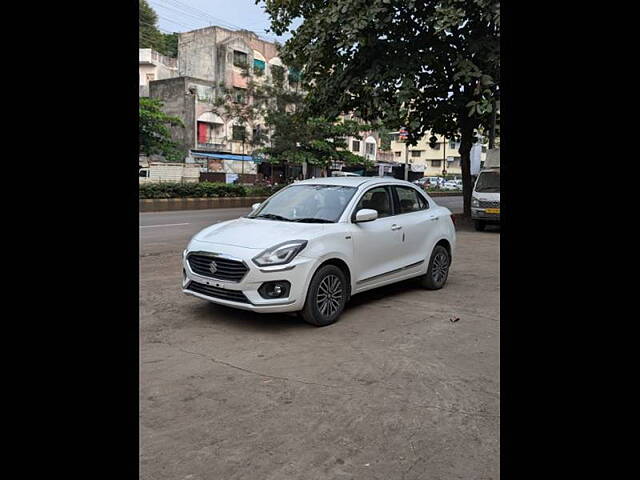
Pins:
<point x="278" y="289"/>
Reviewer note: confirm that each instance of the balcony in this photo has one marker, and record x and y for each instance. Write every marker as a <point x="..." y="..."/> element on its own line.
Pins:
<point x="215" y="144"/>
<point x="147" y="56"/>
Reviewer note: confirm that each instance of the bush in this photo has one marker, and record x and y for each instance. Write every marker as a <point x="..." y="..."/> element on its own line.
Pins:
<point x="203" y="189"/>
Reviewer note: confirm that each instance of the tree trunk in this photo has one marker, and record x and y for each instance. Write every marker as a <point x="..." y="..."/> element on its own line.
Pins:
<point x="466" y="142"/>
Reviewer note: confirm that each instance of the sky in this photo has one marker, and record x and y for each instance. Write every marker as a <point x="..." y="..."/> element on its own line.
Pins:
<point x="185" y="15"/>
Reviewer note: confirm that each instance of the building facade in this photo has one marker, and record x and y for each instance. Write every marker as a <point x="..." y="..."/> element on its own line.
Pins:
<point x="153" y="66"/>
<point x="432" y="161"/>
<point x="207" y="59"/>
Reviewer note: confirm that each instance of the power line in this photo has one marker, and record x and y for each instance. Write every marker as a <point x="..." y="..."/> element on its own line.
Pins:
<point x="190" y="10"/>
<point x="193" y="9"/>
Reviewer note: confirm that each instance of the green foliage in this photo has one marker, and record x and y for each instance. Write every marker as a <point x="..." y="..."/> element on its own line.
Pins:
<point x="154" y="131"/>
<point x="203" y="189"/>
<point x="429" y="65"/>
<point x="150" y="37"/>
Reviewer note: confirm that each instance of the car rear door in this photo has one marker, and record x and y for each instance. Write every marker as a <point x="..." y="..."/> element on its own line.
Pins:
<point x="419" y="224"/>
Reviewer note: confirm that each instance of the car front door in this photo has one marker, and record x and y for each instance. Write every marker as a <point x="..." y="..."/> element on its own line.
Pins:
<point x="376" y="243"/>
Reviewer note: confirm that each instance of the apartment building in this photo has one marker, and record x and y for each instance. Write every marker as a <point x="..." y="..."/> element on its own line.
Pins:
<point x="153" y="66"/>
<point x="444" y="156"/>
<point x="207" y="58"/>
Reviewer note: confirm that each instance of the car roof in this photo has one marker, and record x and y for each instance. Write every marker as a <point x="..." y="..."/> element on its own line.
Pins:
<point x="351" y="181"/>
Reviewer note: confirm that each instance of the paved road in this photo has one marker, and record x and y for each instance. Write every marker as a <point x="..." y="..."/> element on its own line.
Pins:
<point x="394" y="390"/>
<point x="170" y="231"/>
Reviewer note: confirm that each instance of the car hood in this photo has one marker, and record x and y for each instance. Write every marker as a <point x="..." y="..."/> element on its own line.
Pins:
<point x="250" y="233"/>
<point x="487" y="196"/>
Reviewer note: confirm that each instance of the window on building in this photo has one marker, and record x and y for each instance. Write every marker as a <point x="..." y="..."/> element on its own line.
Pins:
<point x="397" y="154"/>
<point x="239" y="59"/>
<point x="239" y="95"/>
<point x="258" y="67"/>
<point x="452" y="144"/>
<point x="436" y="163"/>
<point x="277" y="73"/>
<point x="370" y="148"/>
<point x="238" y="133"/>
<point x="416" y="153"/>
<point x="355" y="146"/>
<point x="437" y="147"/>
<point x="455" y="162"/>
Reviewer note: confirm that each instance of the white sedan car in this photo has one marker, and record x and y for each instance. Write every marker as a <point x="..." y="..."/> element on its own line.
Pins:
<point x="312" y="245"/>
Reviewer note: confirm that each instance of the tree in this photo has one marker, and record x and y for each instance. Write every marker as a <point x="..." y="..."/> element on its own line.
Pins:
<point x="298" y="137"/>
<point x="283" y="133"/>
<point x="149" y="36"/>
<point x="155" y="131"/>
<point x="428" y="65"/>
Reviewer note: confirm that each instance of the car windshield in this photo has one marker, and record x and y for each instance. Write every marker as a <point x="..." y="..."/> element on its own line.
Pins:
<point x="306" y="204"/>
<point x="488" y="182"/>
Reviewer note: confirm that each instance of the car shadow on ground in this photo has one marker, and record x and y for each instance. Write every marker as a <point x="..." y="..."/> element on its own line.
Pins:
<point x="214" y="314"/>
<point x="245" y="320"/>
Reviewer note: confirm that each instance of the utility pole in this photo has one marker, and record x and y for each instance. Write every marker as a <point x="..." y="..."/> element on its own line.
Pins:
<point x="406" y="161"/>
<point x="402" y="135"/>
<point x="444" y="159"/>
<point x="492" y="132"/>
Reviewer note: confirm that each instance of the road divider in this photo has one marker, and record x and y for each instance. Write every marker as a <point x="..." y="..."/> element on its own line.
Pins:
<point x="171" y="204"/>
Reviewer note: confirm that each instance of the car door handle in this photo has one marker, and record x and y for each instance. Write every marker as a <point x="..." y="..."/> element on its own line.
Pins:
<point x="395" y="227"/>
<point x="433" y="219"/>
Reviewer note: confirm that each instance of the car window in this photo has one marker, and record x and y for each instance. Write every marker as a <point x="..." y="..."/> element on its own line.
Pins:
<point x="306" y="203"/>
<point x="410" y="200"/>
<point x="488" y="182"/>
<point x="376" y="199"/>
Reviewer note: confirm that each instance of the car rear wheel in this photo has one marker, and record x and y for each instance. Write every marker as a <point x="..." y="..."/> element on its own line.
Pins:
<point x="326" y="296"/>
<point x="479" y="225"/>
<point x="438" y="270"/>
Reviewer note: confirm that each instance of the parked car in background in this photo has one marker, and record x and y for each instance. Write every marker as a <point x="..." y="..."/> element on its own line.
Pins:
<point x="312" y="245"/>
<point x="451" y="185"/>
<point x="422" y="181"/>
<point x="485" y="199"/>
<point x="434" y="181"/>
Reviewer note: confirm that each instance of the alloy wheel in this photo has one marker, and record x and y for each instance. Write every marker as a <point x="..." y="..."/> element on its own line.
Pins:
<point x="440" y="267"/>
<point x="329" y="296"/>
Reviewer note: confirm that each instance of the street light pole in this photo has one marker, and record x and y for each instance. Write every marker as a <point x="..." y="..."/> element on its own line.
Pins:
<point x="406" y="161"/>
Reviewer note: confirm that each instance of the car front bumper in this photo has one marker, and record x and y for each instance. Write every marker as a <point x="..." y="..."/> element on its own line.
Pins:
<point x="481" y="214"/>
<point x="298" y="273"/>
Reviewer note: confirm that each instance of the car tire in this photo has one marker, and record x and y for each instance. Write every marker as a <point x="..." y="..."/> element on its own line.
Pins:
<point x="321" y="310"/>
<point x="479" y="225"/>
<point x="438" y="270"/>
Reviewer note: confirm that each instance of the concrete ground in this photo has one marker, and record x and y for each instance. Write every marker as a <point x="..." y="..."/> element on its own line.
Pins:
<point x="393" y="390"/>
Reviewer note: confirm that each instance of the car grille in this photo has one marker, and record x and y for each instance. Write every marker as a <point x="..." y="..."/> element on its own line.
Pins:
<point x="231" y="270"/>
<point x="488" y="204"/>
<point x="215" y="292"/>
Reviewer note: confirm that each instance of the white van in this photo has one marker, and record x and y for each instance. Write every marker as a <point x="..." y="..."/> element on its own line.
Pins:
<point x="485" y="198"/>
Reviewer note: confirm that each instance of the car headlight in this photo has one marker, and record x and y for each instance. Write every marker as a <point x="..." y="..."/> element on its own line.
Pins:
<point x="280" y="254"/>
<point x="475" y="202"/>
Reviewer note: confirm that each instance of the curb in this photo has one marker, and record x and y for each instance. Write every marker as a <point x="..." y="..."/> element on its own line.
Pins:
<point x="203" y="203"/>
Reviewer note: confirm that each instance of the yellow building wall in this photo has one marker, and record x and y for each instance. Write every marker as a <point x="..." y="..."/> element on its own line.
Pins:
<point x="428" y="155"/>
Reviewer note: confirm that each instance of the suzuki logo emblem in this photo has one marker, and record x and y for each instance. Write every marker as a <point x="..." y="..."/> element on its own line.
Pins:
<point x="213" y="267"/>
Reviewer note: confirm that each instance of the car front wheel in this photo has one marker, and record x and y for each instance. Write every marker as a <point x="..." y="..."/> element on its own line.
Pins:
<point x="438" y="270"/>
<point x="326" y="296"/>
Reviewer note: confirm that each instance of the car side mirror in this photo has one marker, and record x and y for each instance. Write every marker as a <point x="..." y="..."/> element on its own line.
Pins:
<point x="255" y="206"/>
<point x="366" y="215"/>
